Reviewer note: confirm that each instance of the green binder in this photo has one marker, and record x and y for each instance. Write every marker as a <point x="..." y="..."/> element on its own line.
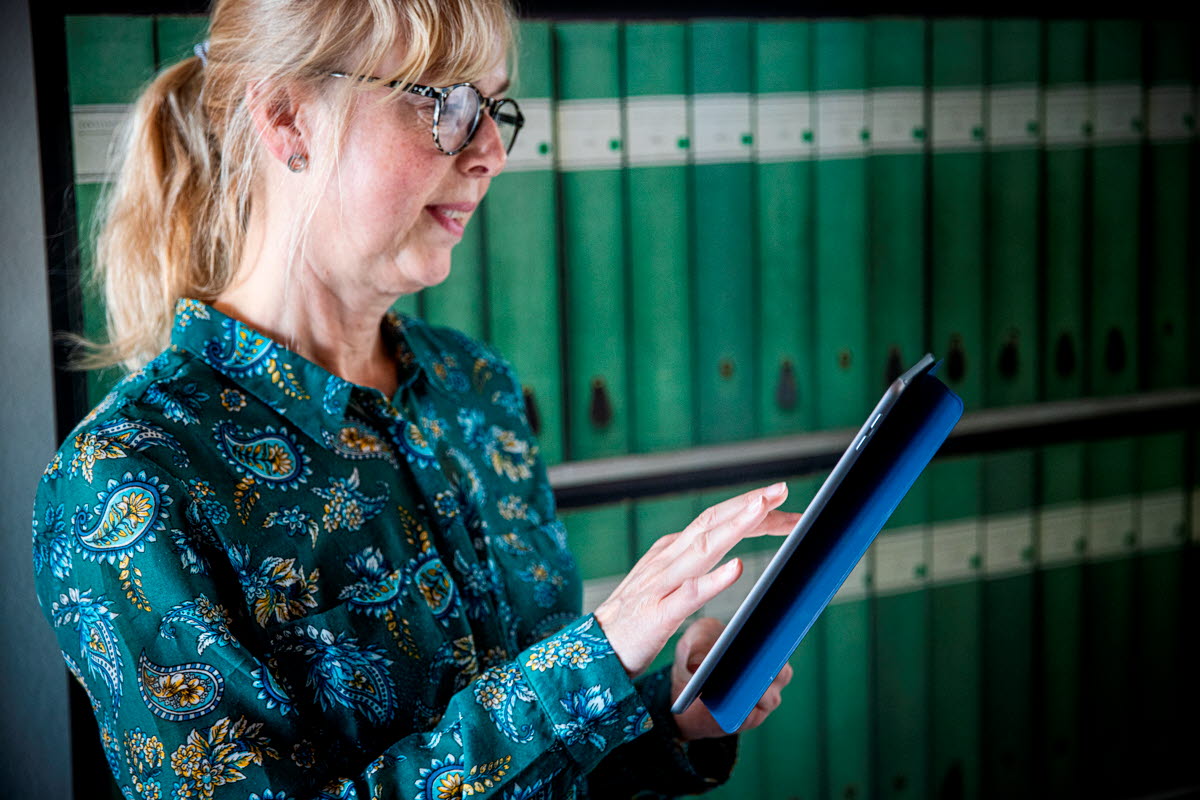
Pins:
<point x="460" y="300"/>
<point x="1061" y="537"/>
<point x="409" y="304"/>
<point x="784" y="756"/>
<point x="844" y="384"/>
<point x="749" y="776"/>
<point x="719" y="78"/>
<point x="956" y="332"/>
<point x="783" y="173"/>
<point x="520" y="228"/>
<point x="791" y="740"/>
<point x="655" y="119"/>
<point x="784" y="142"/>
<point x="1012" y="335"/>
<point x="176" y="36"/>
<point x="1161" y="601"/>
<point x="897" y="195"/>
<point x="109" y="59"/>
<point x="844" y="389"/>
<point x="588" y="119"/>
<point x="1112" y="360"/>
<point x="654" y="66"/>
<point x="599" y="538"/>
<point x="651" y="520"/>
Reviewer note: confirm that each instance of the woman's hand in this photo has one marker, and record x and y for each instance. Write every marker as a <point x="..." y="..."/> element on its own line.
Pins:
<point x="676" y="577"/>
<point x="697" y="722"/>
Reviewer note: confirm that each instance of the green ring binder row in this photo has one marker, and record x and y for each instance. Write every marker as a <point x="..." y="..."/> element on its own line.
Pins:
<point x="716" y="230"/>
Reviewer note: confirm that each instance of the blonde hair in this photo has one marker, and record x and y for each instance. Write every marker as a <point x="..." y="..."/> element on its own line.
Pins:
<point x="173" y="223"/>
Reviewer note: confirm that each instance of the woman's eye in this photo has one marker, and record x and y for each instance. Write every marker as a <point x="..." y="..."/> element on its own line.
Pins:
<point x="424" y="107"/>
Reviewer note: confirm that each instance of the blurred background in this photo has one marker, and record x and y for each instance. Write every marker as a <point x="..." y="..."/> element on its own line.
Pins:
<point x="718" y="239"/>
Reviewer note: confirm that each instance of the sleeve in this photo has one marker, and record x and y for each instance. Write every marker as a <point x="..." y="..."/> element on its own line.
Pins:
<point x="655" y="761"/>
<point x="195" y="701"/>
<point x="658" y="764"/>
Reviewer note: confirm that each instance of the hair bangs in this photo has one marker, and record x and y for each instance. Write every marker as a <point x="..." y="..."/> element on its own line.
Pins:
<point x="442" y="42"/>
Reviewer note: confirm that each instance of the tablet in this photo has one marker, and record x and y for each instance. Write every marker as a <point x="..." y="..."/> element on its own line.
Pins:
<point x="898" y="439"/>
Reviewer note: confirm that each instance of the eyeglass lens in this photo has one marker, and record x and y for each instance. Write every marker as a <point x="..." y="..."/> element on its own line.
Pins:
<point x="460" y="110"/>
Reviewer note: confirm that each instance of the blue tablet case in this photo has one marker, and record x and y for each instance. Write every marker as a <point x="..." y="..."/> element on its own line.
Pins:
<point x="895" y="444"/>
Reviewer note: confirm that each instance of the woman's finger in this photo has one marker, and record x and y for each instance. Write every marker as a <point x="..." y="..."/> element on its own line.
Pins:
<point x="777" y="523"/>
<point x="706" y="549"/>
<point x="696" y="553"/>
<point x="756" y="717"/>
<point x="727" y="509"/>
<point x="695" y="591"/>
<point x="784" y="677"/>
<point x="697" y="640"/>
<point x="769" y="701"/>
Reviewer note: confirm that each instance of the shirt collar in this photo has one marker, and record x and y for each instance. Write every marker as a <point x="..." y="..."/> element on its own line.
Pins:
<point x="312" y="398"/>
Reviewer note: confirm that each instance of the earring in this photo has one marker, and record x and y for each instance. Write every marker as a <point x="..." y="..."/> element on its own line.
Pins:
<point x="297" y="162"/>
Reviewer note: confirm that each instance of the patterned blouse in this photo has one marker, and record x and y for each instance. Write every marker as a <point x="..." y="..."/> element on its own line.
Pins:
<point x="275" y="584"/>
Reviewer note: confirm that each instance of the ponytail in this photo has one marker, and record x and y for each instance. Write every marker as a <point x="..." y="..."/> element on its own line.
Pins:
<point x="173" y="224"/>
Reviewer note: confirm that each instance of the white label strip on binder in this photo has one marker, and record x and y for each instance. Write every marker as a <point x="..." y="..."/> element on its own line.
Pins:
<point x="1110" y="529"/>
<point x="1008" y="544"/>
<point x="955" y="550"/>
<point x="958" y="120"/>
<point x="1170" y="115"/>
<point x="534" y="147"/>
<point x="589" y="134"/>
<point x="597" y="590"/>
<point x="726" y="604"/>
<point x="858" y="583"/>
<point x="897" y="121"/>
<point x="901" y="560"/>
<point x="1013" y="117"/>
<point x="1162" y="520"/>
<point x="842" y="125"/>
<point x="94" y="130"/>
<point x="1062" y="535"/>
<point x="1068" y="119"/>
<point x="1118" y="114"/>
<point x="722" y="128"/>
<point x="656" y="130"/>
<point x="783" y="127"/>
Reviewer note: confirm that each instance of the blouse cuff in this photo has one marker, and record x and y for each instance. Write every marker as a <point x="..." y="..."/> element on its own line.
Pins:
<point x="585" y="692"/>
<point x="698" y="765"/>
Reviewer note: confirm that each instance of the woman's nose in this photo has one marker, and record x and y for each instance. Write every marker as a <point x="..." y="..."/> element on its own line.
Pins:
<point x="486" y="155"/>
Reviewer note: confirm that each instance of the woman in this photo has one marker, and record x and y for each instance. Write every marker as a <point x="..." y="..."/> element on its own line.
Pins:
<point x="308" y="549"/>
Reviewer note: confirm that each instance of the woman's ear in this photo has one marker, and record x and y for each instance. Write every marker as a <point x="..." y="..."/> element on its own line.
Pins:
<point x="278" y="116"/>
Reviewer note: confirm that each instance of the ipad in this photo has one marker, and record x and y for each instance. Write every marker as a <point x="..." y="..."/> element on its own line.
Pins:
<point x="897" y="441"/>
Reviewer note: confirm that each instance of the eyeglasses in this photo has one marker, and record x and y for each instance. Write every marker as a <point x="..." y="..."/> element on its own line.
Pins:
<point x="457" y="112"/>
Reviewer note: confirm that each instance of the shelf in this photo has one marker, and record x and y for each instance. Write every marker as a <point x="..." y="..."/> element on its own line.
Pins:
<point x="595" y="482"/>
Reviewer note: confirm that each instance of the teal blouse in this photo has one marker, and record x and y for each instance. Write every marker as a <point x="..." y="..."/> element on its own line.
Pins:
<point x="275" y="584"/>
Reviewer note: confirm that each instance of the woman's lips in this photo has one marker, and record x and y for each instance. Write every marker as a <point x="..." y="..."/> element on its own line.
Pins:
<point x="451" y="216"/>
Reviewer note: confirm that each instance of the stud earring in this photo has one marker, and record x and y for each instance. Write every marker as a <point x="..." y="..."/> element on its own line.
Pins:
<point x="297" y="162"/>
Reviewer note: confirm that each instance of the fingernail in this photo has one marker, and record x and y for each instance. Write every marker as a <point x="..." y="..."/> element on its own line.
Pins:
<point x="777" y="489"/>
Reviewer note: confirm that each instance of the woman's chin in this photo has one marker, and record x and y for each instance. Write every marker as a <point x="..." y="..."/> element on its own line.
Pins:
<point x="410" y="278"/>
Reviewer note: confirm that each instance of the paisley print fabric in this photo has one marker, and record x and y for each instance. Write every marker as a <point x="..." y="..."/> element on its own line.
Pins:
<point x="273" y="583"/>
<point x="179" y="693"/>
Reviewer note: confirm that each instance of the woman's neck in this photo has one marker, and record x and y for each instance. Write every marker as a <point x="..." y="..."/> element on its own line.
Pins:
<point x="307" y="316"/>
